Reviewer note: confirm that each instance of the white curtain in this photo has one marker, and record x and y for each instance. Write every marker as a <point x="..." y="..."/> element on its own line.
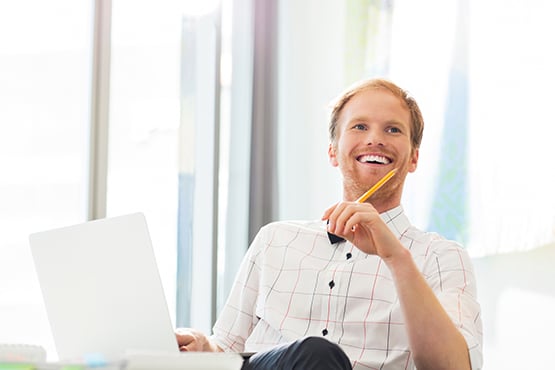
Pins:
<point x="494" y="57"/>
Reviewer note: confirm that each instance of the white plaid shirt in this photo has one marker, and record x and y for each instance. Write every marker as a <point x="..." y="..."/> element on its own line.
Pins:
<point x="293" y="283"/>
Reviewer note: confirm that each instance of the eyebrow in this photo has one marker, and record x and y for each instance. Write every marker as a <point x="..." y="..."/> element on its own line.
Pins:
<point x="388" y="122"/>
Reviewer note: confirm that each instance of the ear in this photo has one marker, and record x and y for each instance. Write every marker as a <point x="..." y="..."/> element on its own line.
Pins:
<point x="413" y="160"/>
<point x="332" y="155"/>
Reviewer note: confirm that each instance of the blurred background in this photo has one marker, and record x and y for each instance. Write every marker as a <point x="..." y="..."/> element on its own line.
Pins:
<point x="210" y="117"/>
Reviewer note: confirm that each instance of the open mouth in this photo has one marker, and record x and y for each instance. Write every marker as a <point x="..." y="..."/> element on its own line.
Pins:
<point x="374" y="159"/>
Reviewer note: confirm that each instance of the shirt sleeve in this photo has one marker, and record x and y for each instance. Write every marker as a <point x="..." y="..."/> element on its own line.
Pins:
<point x="450" y="273"/>
<point x="237" y="318"/>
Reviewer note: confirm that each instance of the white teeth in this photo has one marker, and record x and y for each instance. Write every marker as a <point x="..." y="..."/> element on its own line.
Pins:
<point x="374" y="158"/>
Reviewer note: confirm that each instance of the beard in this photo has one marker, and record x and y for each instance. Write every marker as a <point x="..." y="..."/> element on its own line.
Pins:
<point x="388" y="196"/>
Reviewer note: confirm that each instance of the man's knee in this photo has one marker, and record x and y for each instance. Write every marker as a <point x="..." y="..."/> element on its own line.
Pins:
<point x="316" y="350"/>
<point x="317" y="346"/>
<point x="310" y="353"/>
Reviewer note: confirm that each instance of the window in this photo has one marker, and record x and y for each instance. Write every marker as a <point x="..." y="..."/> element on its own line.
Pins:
<point x="45" y="85"/>
<point x="45" y="79"/>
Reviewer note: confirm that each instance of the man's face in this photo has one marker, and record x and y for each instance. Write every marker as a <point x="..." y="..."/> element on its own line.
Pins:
<point x="373" y="137"/>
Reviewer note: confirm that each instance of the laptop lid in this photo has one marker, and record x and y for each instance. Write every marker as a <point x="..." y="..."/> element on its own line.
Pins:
<point x="102" y="289"/>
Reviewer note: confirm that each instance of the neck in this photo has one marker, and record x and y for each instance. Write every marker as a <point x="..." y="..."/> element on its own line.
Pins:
<point x="383" y="200"/>
<point x="382" y="207"/>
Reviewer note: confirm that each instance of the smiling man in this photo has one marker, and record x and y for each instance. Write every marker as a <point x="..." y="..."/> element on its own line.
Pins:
<point x="387" y="296"/>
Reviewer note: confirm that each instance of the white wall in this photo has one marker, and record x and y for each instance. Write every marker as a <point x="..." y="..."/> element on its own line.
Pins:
<point x="517" y="294"/>
<point x="311" y="73"/>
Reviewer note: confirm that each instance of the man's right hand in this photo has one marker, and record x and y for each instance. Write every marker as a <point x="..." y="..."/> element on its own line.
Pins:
<point x="194" y="341"/>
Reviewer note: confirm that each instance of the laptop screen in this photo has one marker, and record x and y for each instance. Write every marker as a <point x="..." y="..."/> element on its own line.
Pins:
<point x="101" y="288"/>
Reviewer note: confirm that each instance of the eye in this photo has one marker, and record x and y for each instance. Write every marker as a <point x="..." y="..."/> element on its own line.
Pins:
<point x="393" y="130"/>
<point x="359" y="126"/>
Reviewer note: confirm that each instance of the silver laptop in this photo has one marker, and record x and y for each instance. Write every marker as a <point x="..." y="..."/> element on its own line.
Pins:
<point x="102" y="289"/>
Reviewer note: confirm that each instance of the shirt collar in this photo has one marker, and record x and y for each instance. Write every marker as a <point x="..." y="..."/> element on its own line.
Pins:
<point x="396" y="220"/>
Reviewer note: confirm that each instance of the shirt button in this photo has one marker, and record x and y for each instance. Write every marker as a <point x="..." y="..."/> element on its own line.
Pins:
<point x="325" y="332"/>
<point x="349" y="255"/>
<point x="331" y="284"/>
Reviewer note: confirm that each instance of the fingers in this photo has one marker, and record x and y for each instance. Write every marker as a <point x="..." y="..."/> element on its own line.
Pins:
<point x="191" y="347"/>
<point x="345" y="217"/>
<point x="328" y="212"/>
<point x="189" y="340"/>
<point x="362" y="225"/>
<point x="335" y="225"/>
<point x="183" y="340"/>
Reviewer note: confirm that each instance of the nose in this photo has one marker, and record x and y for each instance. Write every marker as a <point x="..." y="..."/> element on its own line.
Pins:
<point x="374" y="137"/>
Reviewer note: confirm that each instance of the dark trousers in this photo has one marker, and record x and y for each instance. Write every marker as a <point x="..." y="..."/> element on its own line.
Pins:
<point x="310" y="353"/>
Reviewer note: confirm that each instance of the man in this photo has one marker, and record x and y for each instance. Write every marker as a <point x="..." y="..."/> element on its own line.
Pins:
<point x="389" y="296"/>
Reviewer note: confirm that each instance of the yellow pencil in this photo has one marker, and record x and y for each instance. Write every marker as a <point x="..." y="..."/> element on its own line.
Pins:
<point x="376" y="186"/>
